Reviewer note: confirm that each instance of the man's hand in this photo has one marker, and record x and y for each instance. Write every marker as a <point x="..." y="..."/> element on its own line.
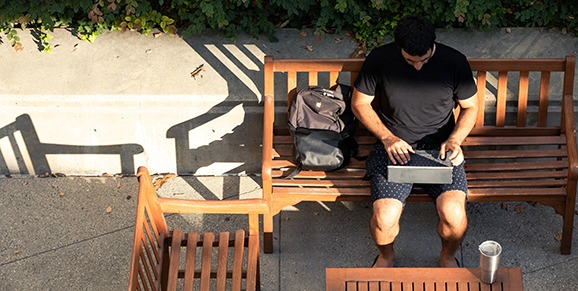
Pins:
<point x="456" y="156"/>
<point x="397" y="149"/>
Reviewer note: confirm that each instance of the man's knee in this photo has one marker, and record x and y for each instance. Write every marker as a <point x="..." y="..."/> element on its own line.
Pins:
<point x="386" y="213"/>
<point x="451" y="208"/>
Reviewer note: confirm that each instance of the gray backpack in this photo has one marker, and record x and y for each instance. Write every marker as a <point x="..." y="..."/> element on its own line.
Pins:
<point x="322" y="126"/>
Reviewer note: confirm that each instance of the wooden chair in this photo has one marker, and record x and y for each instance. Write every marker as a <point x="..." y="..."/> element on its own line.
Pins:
<point x="161" y="256"/>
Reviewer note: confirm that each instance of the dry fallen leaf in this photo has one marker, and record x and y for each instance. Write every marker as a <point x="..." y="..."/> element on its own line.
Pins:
<point x="520" y="208"/>
<point x="197" y="71"/>
<point x="308" y="47"/>
<point x="564" y="30"/>
<point x="61" y="194"/>
<point x="118" y="184"/>
<point x="303" y="33"/>
<point x="558" y="237"/>
<point x="338" y="39"/>
<point x="17" y="251"/>
<point x="508" y="30"/>
<point x="359" y="52"/>
<point x="282" y="25"/>
<point x="504" y="206"/>
<point x="109" y="209"/>
<point x="160" y="181"/>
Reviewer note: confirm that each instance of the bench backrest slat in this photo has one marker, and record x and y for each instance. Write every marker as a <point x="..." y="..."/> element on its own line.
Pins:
<point x="501" y="98"/>
<point x="543" y="105"/>
<point x="523" y="98"/>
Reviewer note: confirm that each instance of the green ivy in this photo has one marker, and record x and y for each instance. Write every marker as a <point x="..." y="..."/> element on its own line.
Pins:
<point x="370" y="21"/>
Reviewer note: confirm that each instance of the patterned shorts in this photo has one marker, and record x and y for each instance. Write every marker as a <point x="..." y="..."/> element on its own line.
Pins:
<point x="376" y="167"/>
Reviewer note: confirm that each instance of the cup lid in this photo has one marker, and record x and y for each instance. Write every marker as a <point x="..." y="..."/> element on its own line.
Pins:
<point x="490" y="248"/>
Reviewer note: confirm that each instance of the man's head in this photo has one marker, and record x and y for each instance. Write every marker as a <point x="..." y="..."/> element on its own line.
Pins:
<point x="415" y="36"/>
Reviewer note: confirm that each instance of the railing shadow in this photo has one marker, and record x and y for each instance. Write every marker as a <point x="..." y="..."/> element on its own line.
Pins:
<point x="22" y="152"/>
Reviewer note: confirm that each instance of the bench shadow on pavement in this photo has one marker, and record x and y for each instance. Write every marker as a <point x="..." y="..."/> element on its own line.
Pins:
<point x="24" y="153"/>
<point x="236" y="149"/>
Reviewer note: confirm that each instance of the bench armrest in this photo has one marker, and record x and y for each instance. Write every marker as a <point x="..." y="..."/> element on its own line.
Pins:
<point x="569" y="129"/>
<point x="268" y="124"/>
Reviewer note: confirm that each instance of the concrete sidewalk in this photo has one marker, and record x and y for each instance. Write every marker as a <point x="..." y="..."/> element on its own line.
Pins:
<point x="75" y="233"/>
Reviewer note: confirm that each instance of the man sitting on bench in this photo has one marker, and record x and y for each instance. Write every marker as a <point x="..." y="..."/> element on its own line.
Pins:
<point x="417" y="83"/>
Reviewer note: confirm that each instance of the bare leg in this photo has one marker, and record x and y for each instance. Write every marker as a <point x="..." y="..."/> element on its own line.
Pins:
<point x="451" y="208"/>
<point x="384" y="227"/>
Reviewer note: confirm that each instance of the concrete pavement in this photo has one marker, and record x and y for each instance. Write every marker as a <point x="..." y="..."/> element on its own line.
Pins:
<point x="75" y="233"/>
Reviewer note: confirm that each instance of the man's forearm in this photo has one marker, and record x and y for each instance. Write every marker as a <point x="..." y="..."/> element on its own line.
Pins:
<point x="465" y="123"/>
<point x="369" y="118"/>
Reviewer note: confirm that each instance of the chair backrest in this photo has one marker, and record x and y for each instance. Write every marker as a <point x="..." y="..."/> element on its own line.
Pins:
<point x="157" y="248"/>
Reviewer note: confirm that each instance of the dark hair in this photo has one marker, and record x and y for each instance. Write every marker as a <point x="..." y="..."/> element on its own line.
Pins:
<point x="415" y="35"/>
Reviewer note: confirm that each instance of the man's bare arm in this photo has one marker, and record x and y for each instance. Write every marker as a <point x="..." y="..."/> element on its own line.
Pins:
<point x="465" y="123"/>
<point x="397" y="149"/>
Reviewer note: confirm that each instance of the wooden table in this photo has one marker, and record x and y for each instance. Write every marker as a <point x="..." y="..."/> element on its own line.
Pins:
<point x="419" y="279"/>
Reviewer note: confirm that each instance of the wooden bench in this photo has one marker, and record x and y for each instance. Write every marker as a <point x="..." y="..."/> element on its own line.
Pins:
<point x="161" y="256"/>
<point x="385" y="279"/>
<point x="517" y="151"/>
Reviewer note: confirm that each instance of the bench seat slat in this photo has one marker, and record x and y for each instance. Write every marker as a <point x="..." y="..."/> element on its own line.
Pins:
<point x="515" y="166"/>
<point x="174" y="259"/>
<point x="192" y="240"/>
<point x="252" y="263"/>
<point x="239" y="249"/>
<point x="513" y="140"/>
<point x="471" y="184"/>
<point x="206" y="259"/>
<point x="364" y="191"/>
<point x="222" y="260"/>
<point x="516" y="175"/>
<point x="511" y="154"/>
<point x="320" y="183"/>
<point x="532" y="170"/>
<point x="519" y="183"/>
<point x="340" y="174"/>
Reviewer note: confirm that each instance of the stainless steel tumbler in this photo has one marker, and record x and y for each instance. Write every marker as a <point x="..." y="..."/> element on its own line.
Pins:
<point x="490" y="252"/>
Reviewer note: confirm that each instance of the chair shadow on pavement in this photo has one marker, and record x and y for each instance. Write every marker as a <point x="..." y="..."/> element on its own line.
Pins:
<point x="236" y="150"/>
<point x="25" y="154"/>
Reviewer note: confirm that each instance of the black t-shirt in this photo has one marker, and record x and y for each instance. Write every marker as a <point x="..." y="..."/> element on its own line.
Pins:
<point x="417" y="106"/>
